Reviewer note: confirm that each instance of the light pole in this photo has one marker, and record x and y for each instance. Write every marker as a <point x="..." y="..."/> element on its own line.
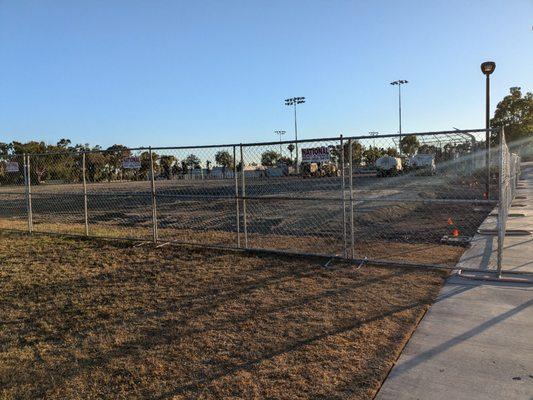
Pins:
<point x="280" y="133"/>
<point x="487" y="68"/>
<point x="400" y="82"/>
<point x="293" y="101"/>
<point x="374" y="134"/>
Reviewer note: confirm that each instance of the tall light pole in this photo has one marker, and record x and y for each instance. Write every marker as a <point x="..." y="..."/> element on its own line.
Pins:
<point x="374" y="134"/>
<point x="280" y="133"/>
<point x="293" y="101"/>
<point x="400" y="82"/>
<point x="487" y="68"/>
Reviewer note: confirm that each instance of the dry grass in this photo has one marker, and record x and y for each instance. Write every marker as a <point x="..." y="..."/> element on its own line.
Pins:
<point x="377" y="249"/>
<point x="96" y="319"/>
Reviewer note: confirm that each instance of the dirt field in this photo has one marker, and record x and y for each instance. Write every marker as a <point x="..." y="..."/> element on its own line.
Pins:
<point x="100" y="319"/>
<point x="397" y="214"/>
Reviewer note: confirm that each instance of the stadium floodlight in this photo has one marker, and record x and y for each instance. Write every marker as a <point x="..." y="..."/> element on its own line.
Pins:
<point x="280" y="133"/>
<point x="400" y="82"/>
<point x="293" y="101"/>
<point x="487" y="68"/>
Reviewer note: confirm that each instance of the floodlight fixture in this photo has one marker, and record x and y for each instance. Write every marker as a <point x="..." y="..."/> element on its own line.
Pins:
<point x="399" y="83"/>
<point x="293" y="101"/>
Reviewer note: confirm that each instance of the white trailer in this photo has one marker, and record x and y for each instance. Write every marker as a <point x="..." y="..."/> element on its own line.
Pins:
<point x="388" y="166"/>
<point x="424" y="162"/>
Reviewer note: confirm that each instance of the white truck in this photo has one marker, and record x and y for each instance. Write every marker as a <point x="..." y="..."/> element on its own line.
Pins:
<point x="424" y="163"/>
<point x="388" y="166"/>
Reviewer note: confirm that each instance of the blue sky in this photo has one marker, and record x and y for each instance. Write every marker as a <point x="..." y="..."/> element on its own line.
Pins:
<point x="196" y="72"/>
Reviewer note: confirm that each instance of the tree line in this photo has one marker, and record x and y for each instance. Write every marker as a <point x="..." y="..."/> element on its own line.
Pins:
<point x="515" y="112"/>
<point x="63" y="161"/>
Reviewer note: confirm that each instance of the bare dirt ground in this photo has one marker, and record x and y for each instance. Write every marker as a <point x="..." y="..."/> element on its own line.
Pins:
<point x="391" y="215"/>
<point x="100" y="319"/>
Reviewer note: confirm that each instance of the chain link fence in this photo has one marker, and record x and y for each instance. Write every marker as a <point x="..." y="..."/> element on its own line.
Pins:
<point x="414" y="198"/>
<point x="509" y="172"/>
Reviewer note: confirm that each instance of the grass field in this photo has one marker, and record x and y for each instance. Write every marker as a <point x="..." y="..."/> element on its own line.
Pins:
<point x="100" y="319"/>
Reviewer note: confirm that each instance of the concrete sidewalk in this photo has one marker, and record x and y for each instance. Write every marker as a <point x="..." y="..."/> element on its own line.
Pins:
<point x="518" y="250"/>
<point x="476" y="341"/>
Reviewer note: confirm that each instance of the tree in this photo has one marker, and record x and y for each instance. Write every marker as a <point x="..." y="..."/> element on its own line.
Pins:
<point x="409" y="144"/>
<point x="391" y="151"/>
<point x="515" y="113"/>
<point x="372" y="154"/>
<point x="5" y="149"/>
<point x="285" y="160"/>
<point x="192" y="161"/>
<point x="427" y="149"/>
<point x="167" y="163"/>
<point x="145" y="164"/>
<point x="64" y="143"/>
<point x="94" y="166"/>
<point x="291" y="148"/>
<point x="115" y="154"/>
<point x="357" y="152"/>
<point x="38" y="169"/>
<point x="269" y="158"/>
<point x="225" y="160"/>
<point x="184" y="168"/>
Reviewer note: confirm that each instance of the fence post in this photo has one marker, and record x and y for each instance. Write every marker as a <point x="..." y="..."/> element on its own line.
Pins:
<point x="350" y="162"/>
<point x="243" y="191"/>
<point x="487" y="162"/>
<point x="501" y="205"/>
<point x="25" y="170"/>
<point x="27" y="178"/>
<point x="154" y="201"/>
<point x="237" y="212"/>
<point x="85" y="208"/>
<point x="343" y="189"/>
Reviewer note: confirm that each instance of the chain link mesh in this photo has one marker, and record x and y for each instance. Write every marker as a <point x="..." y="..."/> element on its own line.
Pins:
<point x="509" y="172"/>
<point x="382" y="197"/>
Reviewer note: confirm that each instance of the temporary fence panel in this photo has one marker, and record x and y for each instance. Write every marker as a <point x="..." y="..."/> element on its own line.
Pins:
<point x="354" y="197"/>
<point x="57" y="198"/>
<point x="13" y="196"/>
<point x="509" y="172"/>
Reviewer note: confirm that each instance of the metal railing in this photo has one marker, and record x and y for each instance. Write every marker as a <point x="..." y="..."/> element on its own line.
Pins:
<point x="351" y="197"/>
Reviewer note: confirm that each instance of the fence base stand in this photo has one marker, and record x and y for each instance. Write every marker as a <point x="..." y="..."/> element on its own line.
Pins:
<point x="494" y="276"/>
<point x="328" y="263"/>
<point x="456" y="240"/>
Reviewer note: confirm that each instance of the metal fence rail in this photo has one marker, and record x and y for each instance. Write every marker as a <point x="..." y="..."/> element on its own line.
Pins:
<point x="338" y="199"/>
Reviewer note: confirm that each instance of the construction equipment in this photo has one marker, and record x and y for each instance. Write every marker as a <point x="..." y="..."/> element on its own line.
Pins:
<point x="318" y="170"/>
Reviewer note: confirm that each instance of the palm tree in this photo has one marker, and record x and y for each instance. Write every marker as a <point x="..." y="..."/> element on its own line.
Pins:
<point x="290" y="147"/>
